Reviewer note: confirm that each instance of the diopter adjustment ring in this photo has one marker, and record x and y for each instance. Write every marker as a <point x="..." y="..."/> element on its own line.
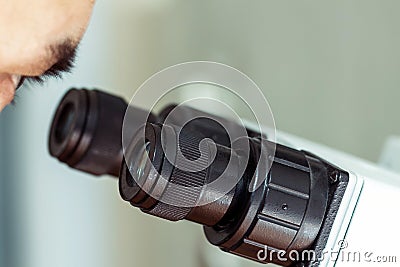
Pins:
<point x="187" y="179"/>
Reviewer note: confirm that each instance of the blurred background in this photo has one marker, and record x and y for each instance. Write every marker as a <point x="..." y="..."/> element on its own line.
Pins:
<point x="330" y="71"/>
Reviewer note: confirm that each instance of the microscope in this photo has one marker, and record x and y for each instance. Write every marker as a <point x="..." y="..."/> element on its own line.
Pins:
<point x="290" y="202"/>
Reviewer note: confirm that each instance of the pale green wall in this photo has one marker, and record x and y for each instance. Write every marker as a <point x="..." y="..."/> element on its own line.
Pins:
<point x="330" y="70"/>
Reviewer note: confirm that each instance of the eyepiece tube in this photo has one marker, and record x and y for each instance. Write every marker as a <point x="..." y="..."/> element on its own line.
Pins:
<point x="86" y="131"/>
<point x="285" y="212"/>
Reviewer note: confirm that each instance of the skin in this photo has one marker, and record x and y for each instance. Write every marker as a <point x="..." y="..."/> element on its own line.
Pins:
<point x="28" y="30"/>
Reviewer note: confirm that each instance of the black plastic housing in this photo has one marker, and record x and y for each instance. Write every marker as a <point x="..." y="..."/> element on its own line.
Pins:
<point x="294" y="209"/>
<point x="285" y="213"/>
<point x="86" y="131"/>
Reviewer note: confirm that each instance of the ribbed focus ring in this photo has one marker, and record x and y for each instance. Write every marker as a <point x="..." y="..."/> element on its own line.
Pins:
<point x="188" y="176"/>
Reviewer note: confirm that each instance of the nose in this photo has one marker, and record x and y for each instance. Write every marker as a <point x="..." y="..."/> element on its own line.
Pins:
<point x="8" y="84"/>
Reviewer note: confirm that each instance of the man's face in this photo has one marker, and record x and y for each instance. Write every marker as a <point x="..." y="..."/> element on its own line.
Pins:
<point x="38" y="37"/>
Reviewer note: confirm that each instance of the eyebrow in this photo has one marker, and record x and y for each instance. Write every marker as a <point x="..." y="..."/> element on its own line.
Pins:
<point x="65" y="52"/>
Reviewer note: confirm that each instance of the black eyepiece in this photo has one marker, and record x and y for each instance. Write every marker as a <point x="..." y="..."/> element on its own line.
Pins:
<point x="86" y="131"/>
<point x="64" y="124"/>
<point x="284" y="213"/>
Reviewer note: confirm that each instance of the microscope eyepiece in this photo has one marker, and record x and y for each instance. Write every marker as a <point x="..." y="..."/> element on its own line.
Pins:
<point x="286" y="212"/>
<point x="64" y="124"/>
<point x="164" y="184"/>
<point x="86" y="131"/>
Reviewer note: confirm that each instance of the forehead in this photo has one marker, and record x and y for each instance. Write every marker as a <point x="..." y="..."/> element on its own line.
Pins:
<point x="32" y="31"/>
